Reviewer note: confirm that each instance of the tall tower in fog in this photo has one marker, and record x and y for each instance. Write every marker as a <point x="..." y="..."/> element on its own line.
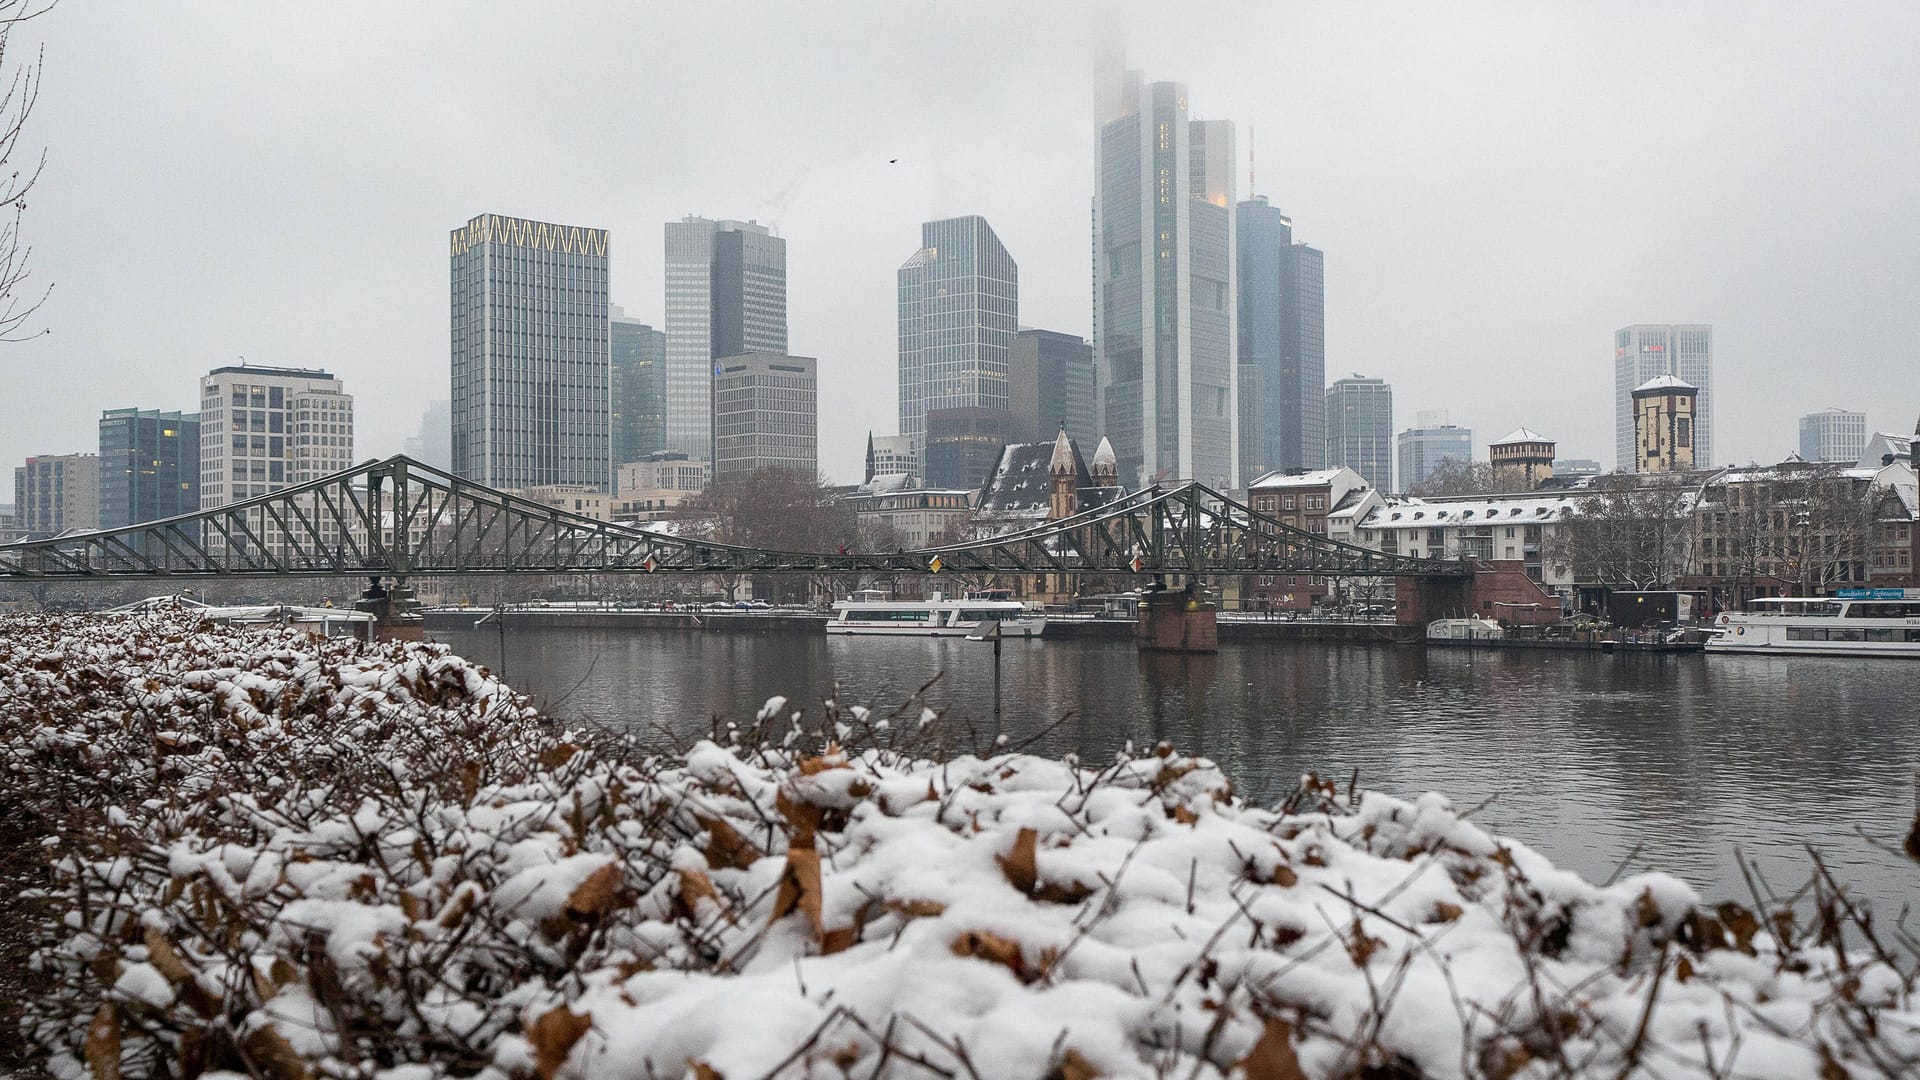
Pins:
<point x="726" y="296"/>
<point x="1163" y="274"/>
<point x="1282" y="350"/>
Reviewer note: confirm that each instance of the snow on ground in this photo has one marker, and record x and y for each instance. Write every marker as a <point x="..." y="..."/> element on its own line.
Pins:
<point x="284" y="857"/>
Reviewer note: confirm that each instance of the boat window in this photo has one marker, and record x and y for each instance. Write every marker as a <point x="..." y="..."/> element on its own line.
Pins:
<point x="1806" y="633"/>
<point x="1883" y="633"/>
<point x="891" y="615"/>
<point x="1844" y="633"/>
<point x="1883" y="611"/>
<point x="978" y="615"/>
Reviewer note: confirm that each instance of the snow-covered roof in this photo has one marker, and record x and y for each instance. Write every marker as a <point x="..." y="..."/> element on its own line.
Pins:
<point x="1021" y="485"/>
<point x="881" y="482"/>
<point x="1516" y="509"/>
<point x="1278" y="479"/>
<point x="1520" y="435"/>
<point x="1665" y="382"/>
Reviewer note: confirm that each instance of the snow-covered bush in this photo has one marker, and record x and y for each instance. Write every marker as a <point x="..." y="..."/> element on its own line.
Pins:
<point x="276" y="856"/>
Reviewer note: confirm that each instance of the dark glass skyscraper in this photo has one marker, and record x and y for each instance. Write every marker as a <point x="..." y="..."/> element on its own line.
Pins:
<point x="1050" y="383"/>
<point x="959" y="309"/>
<point x="1163" y="313"/>
<point x="1282" y="345"/>
<point x="531" y="367"/>
<point x="639" y="389"/>
<point x="149" y="465"/>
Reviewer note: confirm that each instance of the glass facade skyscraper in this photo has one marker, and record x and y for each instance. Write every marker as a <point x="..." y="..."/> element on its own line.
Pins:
<point x="1282" y="344"/>
<point x="1360" y="429"/>
<point x="726" y="296"/>
<point x="1649" y="351"/>
<point x="639" y="389"/>
<point x="959" y="309"/>
<point x="149" y="465"/>
<point x="531" y="368"/>
<point x="1421" y="449"/>
<point x="1050" y="383"/>
<point x="1164" y="322"/>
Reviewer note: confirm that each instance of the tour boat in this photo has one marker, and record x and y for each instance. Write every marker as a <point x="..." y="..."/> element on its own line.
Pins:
<point x="1844" y="625"/>
<point x="936" y="616"/>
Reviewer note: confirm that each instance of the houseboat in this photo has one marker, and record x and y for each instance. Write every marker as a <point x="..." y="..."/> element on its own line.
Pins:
<point x="1885" y="622"/>
<point x="870" y="613"/>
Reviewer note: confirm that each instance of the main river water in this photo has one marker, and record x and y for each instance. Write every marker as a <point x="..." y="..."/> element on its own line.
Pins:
<point x="1656" y="762"/>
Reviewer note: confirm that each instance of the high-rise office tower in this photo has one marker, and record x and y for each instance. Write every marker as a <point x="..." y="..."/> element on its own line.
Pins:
<point x="726" y="295"/>
<point x="1282" y="354"/>
<point x="531" y="375"/>
<point x="766" y="414"/>
<point x="265" y="428"/>
<point x="1429" y="442"/>
<point x="1644" y="352"/>
<point x="959" y="308"/>
<point x="1833" y="435"/>
<point x="149" y="465"/>
<point x="639" y="388"/>
<point x="56" y="492"/>
<point x="434" y="443"/>
<point x="1049" y="384"/>
<point x="1163" y="273"/>
<point x="1360" y="428"/>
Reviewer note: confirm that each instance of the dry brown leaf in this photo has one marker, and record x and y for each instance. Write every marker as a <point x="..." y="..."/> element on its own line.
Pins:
<point x="1184" y="816"/>
<point x="703" y="1071"/>
<point x="272" y="1056"/>
<point x="1445" y="912"/>
<point x="916" y="909"/>
<point x="838" y="941"/>
<point x="726" y="847"/>
<point x="814" y="765"/>
<point x="1272" y="1056"/>
<point x="1284" y="876"/>
<point x="800" y="888"/>
<point x="695" y="887"/>
<point x="803" y="819"/>
<point x="162" y="955"/>
<point x="982" y="945"/>
<point x="102" y="1049"/>
<point x="597" y="895"/>
<point x="553" y="1036"/>
<point x="555" y="756"/>
<point x="1020" y="865"/>
<point x="470" y="774"/>
<point x="1683" y="971"/>
<point x="1074" y="1066"/>
<point x="1361" y="947"/>
<point x="1502" y="1059"/>
<point x="1741" y="923"/>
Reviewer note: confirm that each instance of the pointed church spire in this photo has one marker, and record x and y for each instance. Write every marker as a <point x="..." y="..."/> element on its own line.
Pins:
<point x="869" y="478"/>
<point x="1062" y="454"/>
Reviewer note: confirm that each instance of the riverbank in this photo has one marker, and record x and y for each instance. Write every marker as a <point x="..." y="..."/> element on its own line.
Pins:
<point x="1072" y="627"/>
<point x="277" y="854"/>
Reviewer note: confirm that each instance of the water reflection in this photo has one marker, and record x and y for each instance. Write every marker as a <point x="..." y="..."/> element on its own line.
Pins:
<point x="1583" y="756"/>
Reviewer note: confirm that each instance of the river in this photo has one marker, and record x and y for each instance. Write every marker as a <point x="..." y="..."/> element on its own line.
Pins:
<point x="1598" y="761"/>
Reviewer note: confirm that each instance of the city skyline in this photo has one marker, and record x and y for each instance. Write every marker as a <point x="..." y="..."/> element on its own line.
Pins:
<point x="843" y="181"/>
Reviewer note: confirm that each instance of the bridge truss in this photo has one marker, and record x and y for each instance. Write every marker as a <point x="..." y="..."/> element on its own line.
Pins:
<point x="399" y="518"/>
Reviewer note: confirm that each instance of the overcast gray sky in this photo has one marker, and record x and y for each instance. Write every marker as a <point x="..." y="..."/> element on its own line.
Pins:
<point x="1497" y="187"/>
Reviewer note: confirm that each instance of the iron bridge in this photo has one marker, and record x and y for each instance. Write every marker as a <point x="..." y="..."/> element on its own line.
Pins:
<point x="400" y="518"/>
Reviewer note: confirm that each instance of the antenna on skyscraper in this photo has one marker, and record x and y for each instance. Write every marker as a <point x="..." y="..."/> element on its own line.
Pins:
<point x="1253" y="183"/>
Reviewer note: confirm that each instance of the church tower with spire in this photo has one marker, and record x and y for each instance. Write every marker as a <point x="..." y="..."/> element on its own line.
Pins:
<point x="1063" y="487"/>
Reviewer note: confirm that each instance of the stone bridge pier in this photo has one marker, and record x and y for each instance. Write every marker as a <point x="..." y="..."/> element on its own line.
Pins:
<point x="1178" y="620"/>
<point x="1492" y="590"/>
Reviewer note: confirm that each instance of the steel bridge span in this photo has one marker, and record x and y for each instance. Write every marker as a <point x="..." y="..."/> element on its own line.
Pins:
<point x="400" y="518"/>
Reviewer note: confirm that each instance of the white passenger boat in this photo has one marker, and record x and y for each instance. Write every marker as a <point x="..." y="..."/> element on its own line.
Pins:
<point x="936" y="616"/>
<point x="1877" y="625"/>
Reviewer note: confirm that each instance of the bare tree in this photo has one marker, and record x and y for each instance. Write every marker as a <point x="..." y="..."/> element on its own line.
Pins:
<point x="1633" y="532"/>
<point x="18" y="299"/>
<point x="770" y="509"/>
<point x="1803" y="523"/>
<point x="1454" y="478"/>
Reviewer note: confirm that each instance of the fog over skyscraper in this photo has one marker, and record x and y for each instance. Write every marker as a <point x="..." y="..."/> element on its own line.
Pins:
<point x="726" y="295"/>
<point x="1163" y="270"/>
<point x="530" y="361"/>
<point x="1644" y="352"/>
<point x="1282" y="343"/>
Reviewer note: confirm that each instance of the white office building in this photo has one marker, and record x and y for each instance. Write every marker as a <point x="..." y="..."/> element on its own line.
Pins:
<point x="266" y="428"/>
<point x="1833" y="435"/>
